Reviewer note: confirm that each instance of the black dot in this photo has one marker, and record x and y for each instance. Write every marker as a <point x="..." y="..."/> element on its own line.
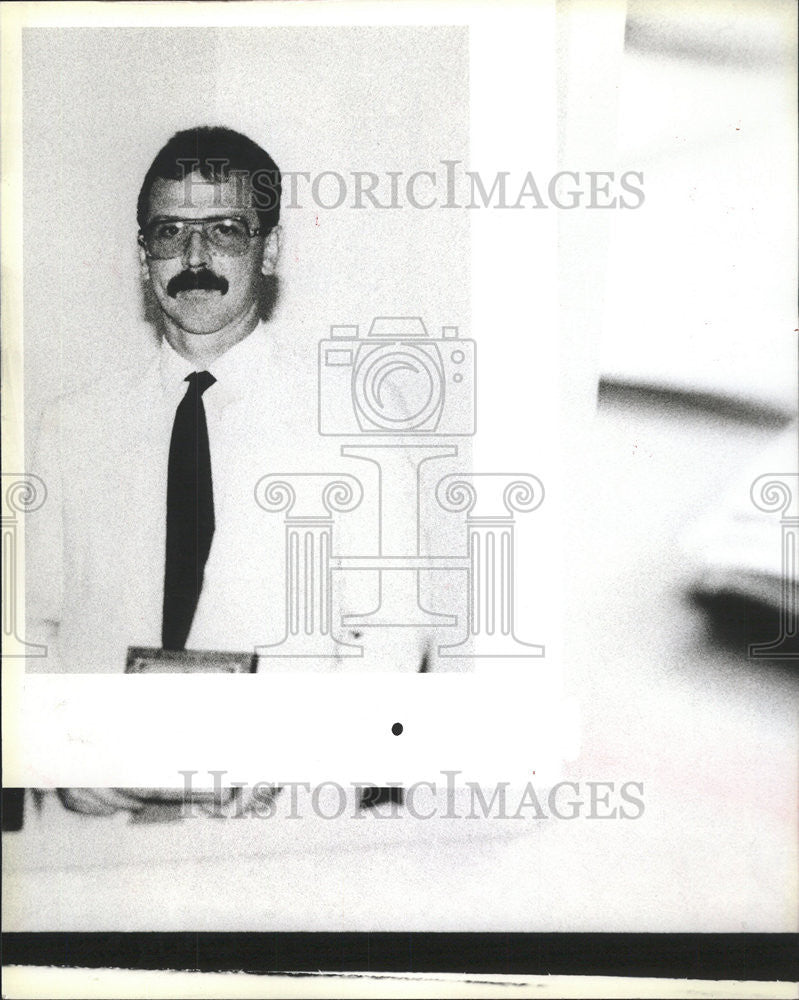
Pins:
<point x="396" y="729"/>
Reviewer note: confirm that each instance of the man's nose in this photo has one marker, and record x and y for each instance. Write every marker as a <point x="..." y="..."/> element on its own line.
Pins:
<point x="196" y="253"/>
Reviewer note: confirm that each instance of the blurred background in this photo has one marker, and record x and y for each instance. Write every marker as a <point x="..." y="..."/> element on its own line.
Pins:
<point x="698" y="349"/>
<point x="701" y="285"/>
<point x="676" y="571"/>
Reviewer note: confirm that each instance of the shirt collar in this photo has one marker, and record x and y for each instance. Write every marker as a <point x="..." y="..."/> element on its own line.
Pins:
<point x="234" y="370"/>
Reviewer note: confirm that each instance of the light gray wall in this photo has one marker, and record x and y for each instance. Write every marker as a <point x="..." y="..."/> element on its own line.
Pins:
<point x="99" y="103"/>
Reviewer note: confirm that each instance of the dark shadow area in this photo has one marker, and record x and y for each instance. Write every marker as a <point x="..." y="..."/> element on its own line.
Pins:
<point x="12" y="809"/>
<point x="373" y="797"/>
<point x="736" y="622"/>
<point x="690" y="403"/>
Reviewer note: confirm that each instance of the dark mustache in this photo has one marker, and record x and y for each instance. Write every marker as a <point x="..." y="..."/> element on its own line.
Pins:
<point x="188" y="281"/>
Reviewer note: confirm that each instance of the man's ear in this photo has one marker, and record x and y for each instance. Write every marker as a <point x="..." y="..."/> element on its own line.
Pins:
<point x="271" y="251"/>
<point x="144" y="266"/>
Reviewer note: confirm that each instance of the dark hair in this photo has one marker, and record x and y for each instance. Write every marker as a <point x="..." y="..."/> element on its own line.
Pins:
<point x="216" y="153"/>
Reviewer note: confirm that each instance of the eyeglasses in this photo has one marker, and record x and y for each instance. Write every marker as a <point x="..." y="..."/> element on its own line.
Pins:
<point x="167" y="238"/>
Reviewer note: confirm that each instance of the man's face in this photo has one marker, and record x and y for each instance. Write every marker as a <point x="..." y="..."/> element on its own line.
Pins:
<point x="229" y="284"/>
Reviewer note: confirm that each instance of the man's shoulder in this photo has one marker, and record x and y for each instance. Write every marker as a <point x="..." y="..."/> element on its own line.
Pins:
<point x="88" y="417"/>
<point x="104" y="394"/>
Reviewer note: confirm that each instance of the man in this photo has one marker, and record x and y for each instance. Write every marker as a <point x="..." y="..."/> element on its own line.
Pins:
<point x="151" y="535"/>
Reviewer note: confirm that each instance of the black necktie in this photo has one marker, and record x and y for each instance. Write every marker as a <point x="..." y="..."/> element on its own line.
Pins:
<point x="189" y="513"/>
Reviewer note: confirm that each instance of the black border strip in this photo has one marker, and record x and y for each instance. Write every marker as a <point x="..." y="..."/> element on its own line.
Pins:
<point x="677" y="956"/>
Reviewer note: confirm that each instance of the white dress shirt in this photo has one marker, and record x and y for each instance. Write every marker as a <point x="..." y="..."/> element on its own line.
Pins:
<point x="95" y="550"/>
